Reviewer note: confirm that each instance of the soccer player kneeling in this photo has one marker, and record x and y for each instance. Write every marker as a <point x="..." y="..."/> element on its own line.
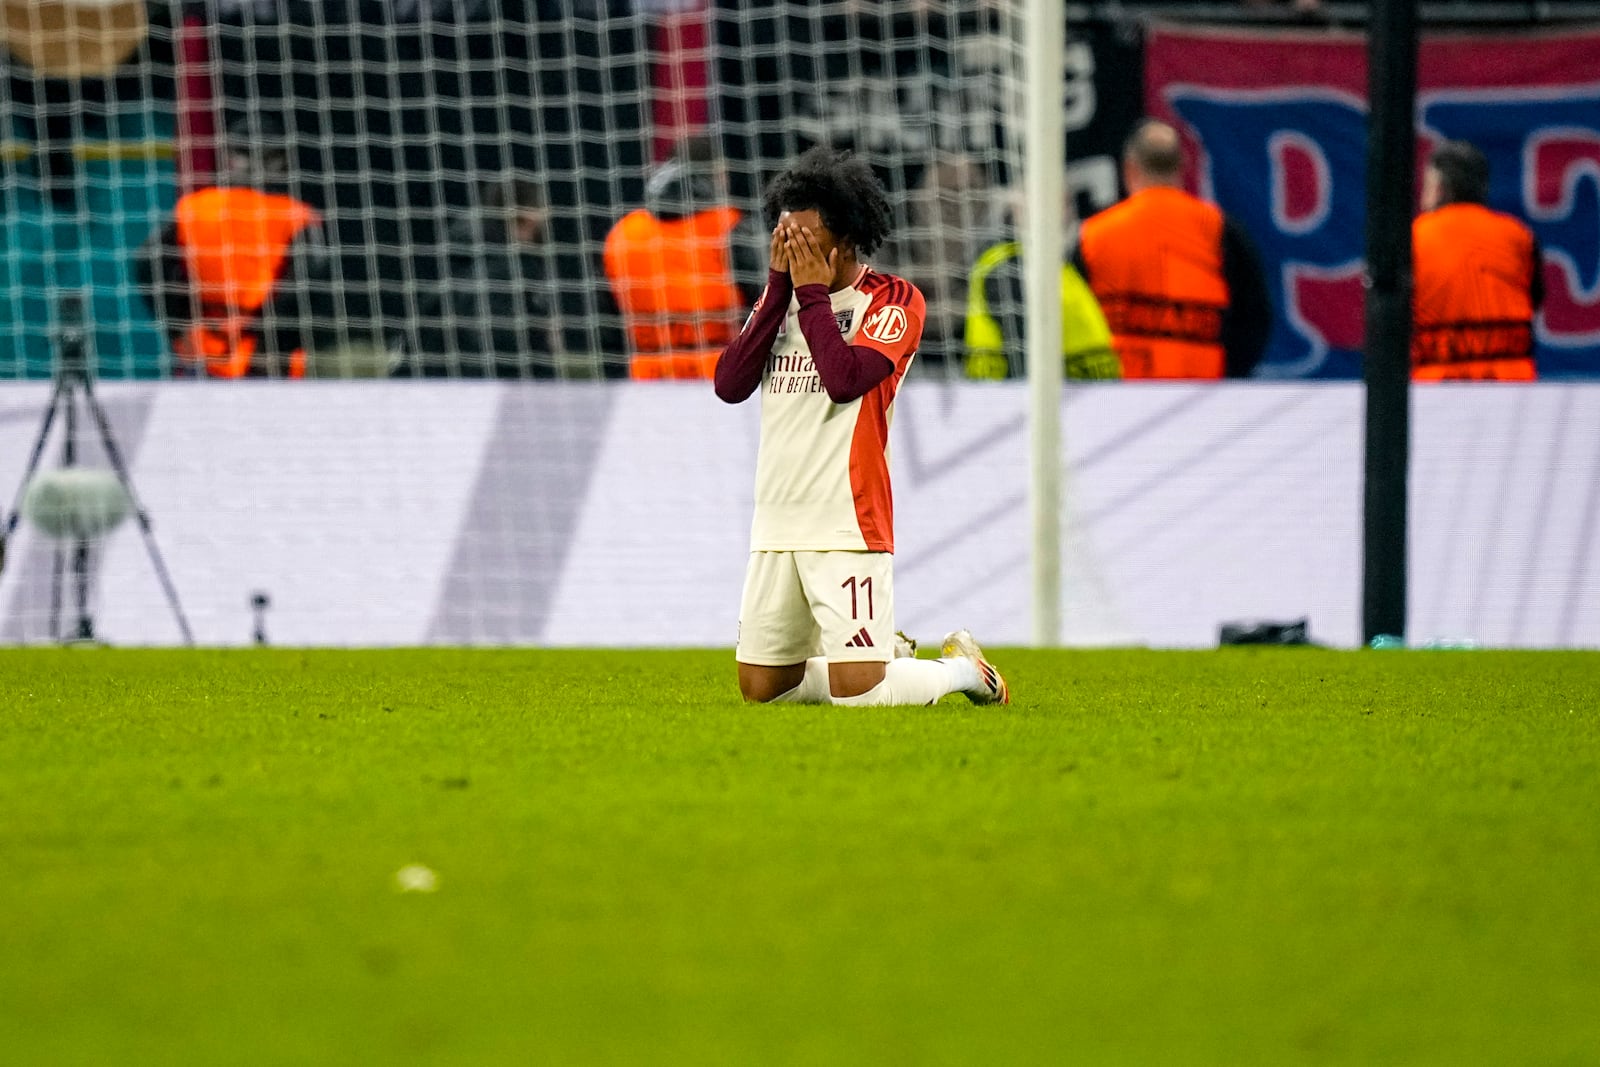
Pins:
<point x="827" y="345"/>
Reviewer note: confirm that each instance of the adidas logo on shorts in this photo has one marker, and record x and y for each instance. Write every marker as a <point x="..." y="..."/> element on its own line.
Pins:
<point x="860" y="640"/>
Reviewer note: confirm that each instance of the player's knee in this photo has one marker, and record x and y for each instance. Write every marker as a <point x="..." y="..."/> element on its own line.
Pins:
<point x="854" y="679"/>
<point x="762" y="685"/>
<point x="756" y="692"/>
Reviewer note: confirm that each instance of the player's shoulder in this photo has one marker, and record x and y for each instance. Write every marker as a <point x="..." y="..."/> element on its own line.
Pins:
<point x="891" y="290"/>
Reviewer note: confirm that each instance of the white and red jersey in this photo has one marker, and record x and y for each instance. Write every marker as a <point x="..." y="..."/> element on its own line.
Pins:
<point x="822" y="475"/>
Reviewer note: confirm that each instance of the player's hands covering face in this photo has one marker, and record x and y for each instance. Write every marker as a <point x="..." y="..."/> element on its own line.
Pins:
<point x="807" y="264"/>
<point x="780" y="247"/>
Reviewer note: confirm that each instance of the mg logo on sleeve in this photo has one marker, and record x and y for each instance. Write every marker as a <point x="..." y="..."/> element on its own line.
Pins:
<point x="888" y="325"/>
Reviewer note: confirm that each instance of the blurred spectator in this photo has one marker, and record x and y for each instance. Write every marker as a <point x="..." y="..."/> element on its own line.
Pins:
<point x="996" y="323"/>
<point x="231" y="275"/>
<point x="950" y="217"/>
<point x="685" y="267"/>
<point x="492" y="312"/>
<point x="1478" y="277"/>
<point x="1180" y="282"/>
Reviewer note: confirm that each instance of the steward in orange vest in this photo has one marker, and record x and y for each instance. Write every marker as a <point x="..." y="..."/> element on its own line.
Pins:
<point x="225" y="274"/>
<point x="1180" y="283"/>
<point x="1478" y="277"/>
<point x="683" y="268"/>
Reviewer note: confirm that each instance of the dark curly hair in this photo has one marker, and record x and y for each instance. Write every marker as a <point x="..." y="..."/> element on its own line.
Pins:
<point x="839" y="187"/>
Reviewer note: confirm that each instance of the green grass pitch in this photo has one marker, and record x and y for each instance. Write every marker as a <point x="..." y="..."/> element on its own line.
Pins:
<point x="1237" y="857"/>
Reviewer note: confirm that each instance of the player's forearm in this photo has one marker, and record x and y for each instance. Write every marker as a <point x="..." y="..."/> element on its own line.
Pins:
<point x="848" y="372"/>
<point x="741" y="363"/>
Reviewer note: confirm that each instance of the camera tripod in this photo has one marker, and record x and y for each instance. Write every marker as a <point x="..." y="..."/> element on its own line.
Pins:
<point x="72" y="377"/>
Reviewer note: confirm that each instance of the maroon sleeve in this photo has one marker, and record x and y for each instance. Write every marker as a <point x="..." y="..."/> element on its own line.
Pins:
<point x="848" y="372"/>
<point x="741" y="363"/>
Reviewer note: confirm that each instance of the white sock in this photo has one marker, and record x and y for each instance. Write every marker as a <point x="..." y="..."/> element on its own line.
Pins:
<point x="813" y="688"/>
<point x="917" y="681"/>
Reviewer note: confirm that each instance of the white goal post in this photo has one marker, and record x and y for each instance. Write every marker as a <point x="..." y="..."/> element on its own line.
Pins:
<point x="1045" y="148"/>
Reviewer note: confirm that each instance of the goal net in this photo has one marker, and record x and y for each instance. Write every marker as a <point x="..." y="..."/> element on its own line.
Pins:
<point x="460" y="164"/>
<point x="465" y="160"/>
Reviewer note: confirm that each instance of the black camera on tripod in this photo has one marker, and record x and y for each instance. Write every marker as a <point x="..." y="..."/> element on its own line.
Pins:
<point x="76" y="505"/>
<point x="72" y="339"/>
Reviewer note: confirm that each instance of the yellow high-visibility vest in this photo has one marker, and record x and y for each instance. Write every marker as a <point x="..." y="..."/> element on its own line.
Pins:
<point x="1085" y="338"/>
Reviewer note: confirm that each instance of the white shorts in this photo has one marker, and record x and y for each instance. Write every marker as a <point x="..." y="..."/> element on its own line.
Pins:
<point x="802" y="604"/>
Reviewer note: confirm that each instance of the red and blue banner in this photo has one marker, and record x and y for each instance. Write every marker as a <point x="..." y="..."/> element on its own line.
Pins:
<point x="1277" y="127"/>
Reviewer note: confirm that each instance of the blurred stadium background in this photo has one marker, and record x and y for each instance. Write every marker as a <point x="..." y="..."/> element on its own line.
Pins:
<point x="529" y="509"/>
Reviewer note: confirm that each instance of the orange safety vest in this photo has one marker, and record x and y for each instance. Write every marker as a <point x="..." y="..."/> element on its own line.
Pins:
<point x="234" y="244"/>
<point x="1155" y="264"/>
<point x="1472" y="304"/>
<point x="674" y="283"/>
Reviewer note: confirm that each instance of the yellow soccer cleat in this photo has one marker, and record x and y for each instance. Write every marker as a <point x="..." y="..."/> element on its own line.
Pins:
<point x="992" y="687"/>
